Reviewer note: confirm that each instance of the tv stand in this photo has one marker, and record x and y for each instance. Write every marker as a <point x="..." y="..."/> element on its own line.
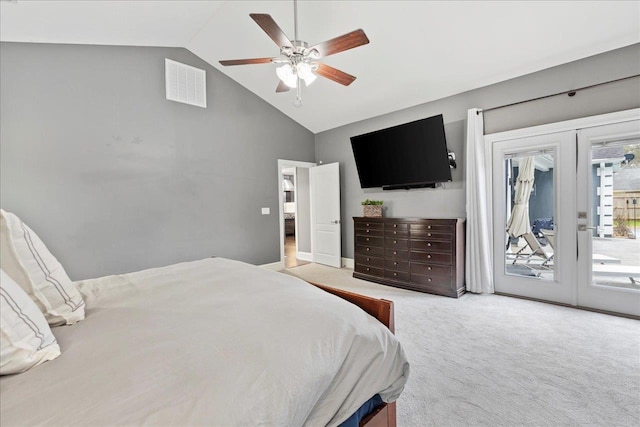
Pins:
<point x="420" y="254"/>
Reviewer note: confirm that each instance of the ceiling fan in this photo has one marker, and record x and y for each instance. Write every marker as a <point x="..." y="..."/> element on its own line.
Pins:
<point x="299" y="60"/>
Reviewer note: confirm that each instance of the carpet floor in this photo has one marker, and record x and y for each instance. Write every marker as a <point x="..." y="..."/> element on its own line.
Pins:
<point x="490" y="360"/>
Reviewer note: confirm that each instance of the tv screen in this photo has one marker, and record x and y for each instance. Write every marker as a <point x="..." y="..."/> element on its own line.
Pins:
<point x="409" y="155"/>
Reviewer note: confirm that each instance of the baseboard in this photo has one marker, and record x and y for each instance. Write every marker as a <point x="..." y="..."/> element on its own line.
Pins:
<point x="274" y="266"/>
<point x="348" y="263"/>
<point x="305" y="256"/>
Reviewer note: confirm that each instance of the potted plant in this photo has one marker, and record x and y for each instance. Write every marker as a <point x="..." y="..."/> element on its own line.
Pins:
<point x="372" y="208"/>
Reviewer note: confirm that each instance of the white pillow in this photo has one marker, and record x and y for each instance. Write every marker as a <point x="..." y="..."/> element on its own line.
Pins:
<point x="28" y="261"/>
<point x="25" y="337"/>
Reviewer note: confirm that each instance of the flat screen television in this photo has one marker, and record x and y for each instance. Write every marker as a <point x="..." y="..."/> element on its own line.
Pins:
<point x="410" y="155"/>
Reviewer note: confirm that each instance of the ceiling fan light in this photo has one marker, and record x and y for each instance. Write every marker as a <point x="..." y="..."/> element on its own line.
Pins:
<point x="286" y="74"/>
<point x="305" y="73"/>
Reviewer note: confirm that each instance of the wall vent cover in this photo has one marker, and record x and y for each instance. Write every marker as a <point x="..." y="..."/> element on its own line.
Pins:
<point x="185" y="83"/>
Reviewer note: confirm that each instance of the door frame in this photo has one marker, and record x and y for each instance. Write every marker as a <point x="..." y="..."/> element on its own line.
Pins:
<point x="568" y="125"/>
<point x="282" y="163"/>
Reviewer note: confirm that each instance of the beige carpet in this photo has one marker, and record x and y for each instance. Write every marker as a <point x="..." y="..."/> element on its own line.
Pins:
<point x="489" y="360"/>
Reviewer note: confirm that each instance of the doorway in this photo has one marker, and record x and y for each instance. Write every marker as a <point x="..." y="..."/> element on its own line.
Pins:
<point x="563" y="230"/>
<point x="295" y="212"/>
<point x="316" y="202"/>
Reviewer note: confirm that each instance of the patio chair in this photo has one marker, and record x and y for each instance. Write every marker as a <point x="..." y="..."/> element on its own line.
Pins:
<point x="536" y="250"/>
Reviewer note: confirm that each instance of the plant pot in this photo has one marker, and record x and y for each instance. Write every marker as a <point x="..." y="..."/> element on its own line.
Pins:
<point x="372" y="211"/>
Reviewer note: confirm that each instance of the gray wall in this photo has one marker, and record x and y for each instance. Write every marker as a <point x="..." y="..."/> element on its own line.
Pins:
<point x="303" y="214"/>
<point x="449" y="201"/>
<point x="115" y="178"/>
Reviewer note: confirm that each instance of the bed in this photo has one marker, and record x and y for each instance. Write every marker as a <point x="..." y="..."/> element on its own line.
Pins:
<point x="214" y="342"/>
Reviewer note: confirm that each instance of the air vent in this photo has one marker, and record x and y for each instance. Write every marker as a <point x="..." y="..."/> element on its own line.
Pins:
<point x="185" y="83"/>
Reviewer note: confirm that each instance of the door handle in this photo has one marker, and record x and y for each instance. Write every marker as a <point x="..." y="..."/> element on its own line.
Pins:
<point x="583" y="227"/>
<point x="337" y="221"/>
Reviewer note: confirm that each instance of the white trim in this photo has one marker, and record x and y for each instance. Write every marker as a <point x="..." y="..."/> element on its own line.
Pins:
<point x="274" y="266"/>
<point x="282" y="164"/>
<point x="348" y="263"/>
<point x="581" y="123"/>
<point x="305" y="256"/>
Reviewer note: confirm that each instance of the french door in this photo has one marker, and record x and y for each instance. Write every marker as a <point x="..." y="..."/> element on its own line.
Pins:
<point x="563" y="214"/>
<point x="524" y="263"/>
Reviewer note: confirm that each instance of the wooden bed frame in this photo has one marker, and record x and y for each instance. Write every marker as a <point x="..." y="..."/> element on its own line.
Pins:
<point x="382" y="309"/>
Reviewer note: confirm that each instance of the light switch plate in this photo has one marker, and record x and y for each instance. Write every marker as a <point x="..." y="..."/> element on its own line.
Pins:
<point x="266" y="211"/>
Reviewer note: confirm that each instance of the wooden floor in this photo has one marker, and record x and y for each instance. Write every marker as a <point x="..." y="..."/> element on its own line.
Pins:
<point x="290" y="259"/>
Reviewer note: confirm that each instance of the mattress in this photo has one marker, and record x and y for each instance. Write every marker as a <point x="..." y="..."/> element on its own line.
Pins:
<point x="211" y="342"/>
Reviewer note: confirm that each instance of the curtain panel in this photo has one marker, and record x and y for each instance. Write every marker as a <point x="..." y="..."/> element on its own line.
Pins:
<point x="479" y="241"/>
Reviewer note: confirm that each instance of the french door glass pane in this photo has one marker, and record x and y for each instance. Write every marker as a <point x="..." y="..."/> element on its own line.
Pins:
<point x="530" y="201"/>
<point x="615" y="213"/>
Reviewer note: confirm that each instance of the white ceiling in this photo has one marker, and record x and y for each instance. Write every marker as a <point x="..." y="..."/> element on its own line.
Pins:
<point x="419" y="51"/>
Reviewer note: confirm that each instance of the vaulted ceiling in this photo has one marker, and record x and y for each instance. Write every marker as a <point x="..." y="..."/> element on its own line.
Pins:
<point x="419" y="51"/>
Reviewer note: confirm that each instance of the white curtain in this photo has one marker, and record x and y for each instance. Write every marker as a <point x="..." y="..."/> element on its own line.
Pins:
<point x="479" y="246"/>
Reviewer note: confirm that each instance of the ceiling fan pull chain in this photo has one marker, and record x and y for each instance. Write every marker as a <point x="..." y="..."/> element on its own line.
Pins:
<point x="298" y="101"/>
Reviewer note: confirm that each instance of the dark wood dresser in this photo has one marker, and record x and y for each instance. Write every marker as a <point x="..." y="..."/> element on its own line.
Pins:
<point x="424" y="255"/>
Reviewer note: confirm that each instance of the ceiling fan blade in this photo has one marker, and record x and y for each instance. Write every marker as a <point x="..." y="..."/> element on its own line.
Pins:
<point x="340" y="44"/>
<point x="334" y="74"/>
<point x="270" y="27"/>
<point x="282" y="87"/>
<point x="247" y="61"/>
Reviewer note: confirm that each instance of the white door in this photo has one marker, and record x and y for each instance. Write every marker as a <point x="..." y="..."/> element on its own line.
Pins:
<point x="533" y="264"/>
<point x="608" y="240"/>
<point x="326" y="242"/>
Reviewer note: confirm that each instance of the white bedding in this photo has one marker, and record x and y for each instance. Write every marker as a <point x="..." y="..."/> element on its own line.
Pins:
<point x="213" y="342"/>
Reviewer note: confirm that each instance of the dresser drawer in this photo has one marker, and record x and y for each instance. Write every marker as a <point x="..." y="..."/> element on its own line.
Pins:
<point x="430" y="245"/>
<point x="372" y="271"/>
<point x="396" y="253"/>
<point x="396" y="265"/>
<point x="423" y="229"/>
<point x="431" y="257"/>
<point x="433" y="235"/>
<point x="391" y="243"/>
<point x="431" y="283"/>
<point x="373" y="225"/>
<point x="394" y="226"/>
<point x="397" y="275"/>
<point x="370" y="250"/>
<point x="430" y="270"/>
<point x="369" y="261"/>
<point x="390" y="234"/>
<point x="376" y="232"/>
<point x="370" y="241"/>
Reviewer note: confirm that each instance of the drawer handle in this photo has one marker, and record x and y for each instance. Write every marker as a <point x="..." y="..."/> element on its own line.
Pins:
<point x="428" y="256"/>
<point x="428" y="268"/>
<point x="395" y="274"/>
<point x="369" y="269"/>
<point x="395" y="262"/>
<point x="368" y="249"/>
<point x="367" y="239"/>
<point x="429" y="234"/>
<point x="367" y="224"/>
<point x="429" y="227"/>
<point x="428" y="244"/>
<point x="367" y="230"/>
<point x="369" y="259"/>
<point x="395" y="241"/>
<point x="395" y="225"/>
<point x="429" y="277"/>
<point x="395" y="252"/>
<point x="395" y="232"/>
